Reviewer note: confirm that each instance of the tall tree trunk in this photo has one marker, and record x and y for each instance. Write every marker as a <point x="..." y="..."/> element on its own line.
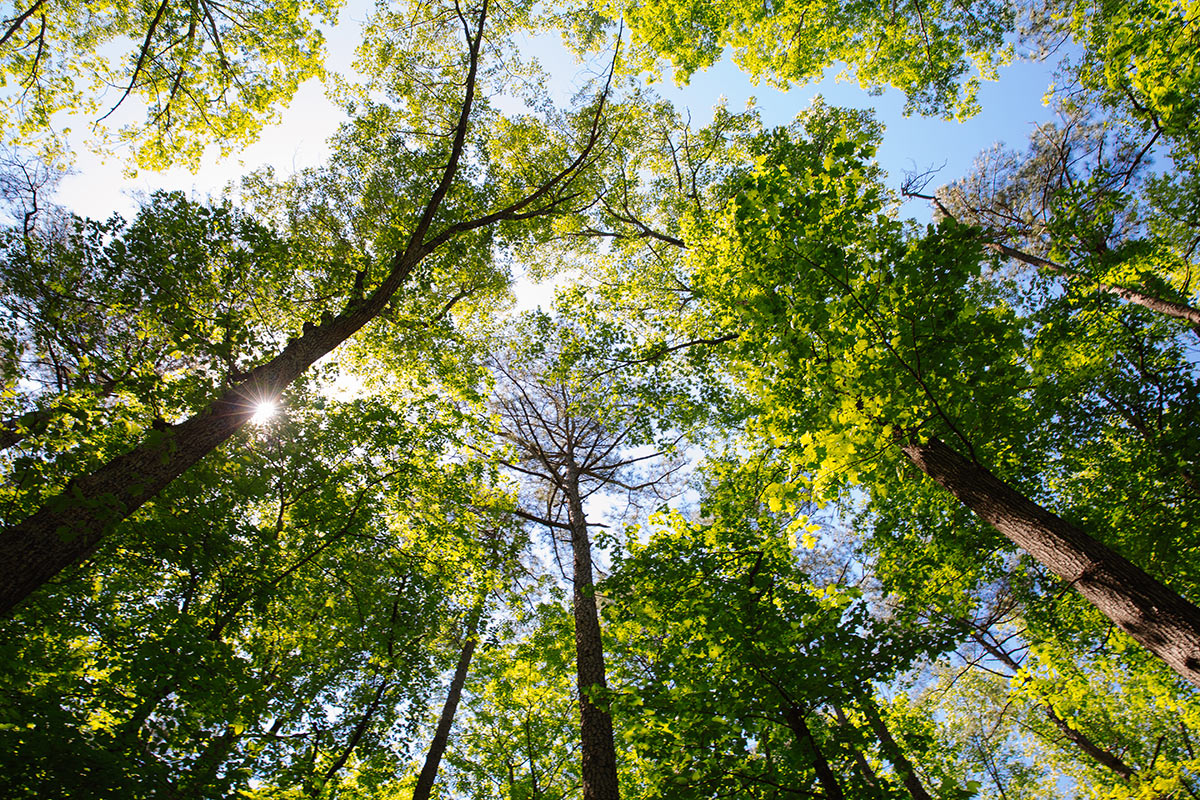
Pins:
<point x="596" y="731"/>
<point x="794" y="717"/>
<point x="1160" y="305"/>
<point x="1162" y="621"/>
<point x="441" y="736"/>
<point x="852" y="732"/>
<point x="71" y="526"/>
<point x="891" y="748"/>
<point x="360" y="730"/>
<point x="1169" y="308"/>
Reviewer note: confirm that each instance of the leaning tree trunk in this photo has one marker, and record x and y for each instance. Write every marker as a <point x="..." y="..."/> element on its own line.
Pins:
<point x="596" y="731"/>
<point x="441" y="736"/>
<point x="1076" y="737"/>
<point x="794" y="717"/>
<point x="891" y="748"/>
<point x="1160" y="305"/>
<point x="69" y="527"/>
<point x="356" y="736"/>
<point x="864" y="766"/>
<point x="1162" y="621"/>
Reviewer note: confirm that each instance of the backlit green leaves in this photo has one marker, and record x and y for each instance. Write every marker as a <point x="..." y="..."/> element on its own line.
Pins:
<point x="856" y="331"/>
<point x="935" y="52"/>
<point x="206" y="72"/>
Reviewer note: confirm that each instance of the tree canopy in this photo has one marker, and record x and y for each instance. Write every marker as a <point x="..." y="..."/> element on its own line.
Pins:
<point x="205" y="71"/>
<point x="783" y="495"/>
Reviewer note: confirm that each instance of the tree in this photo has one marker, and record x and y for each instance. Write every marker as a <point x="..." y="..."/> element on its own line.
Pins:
<point x="771" y="225"/>
<point x="1070" y="208"/>
<point x="910" y="451"/>
<point x="437" y="747"/>
<point x="207" y="72"/>
<point x="865" y="338"/>
<point x="1136" y="60"/>
<point x="68" y="526"/>
<point x="291" y="607"/>
<point x="1049" y="708"/>
<point x="1047" y="677"/>
<point x="575" y="429"/>
<point x="737" y="670"/>
<point x="108" y="323"/>
<point x="502" y="562"/>
<point x="926" y="50"/>
<point x="519" y="739"/>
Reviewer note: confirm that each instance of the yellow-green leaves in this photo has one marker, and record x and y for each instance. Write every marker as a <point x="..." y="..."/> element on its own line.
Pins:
<point x="935" y="52"/>
<point x="201" y="72"/>
<point x="855" y="330"/>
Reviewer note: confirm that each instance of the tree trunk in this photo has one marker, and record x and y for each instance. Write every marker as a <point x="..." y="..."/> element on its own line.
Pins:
<point x="1158" y="618"/>
<point x="360" y="729"/>
<point x="852" y="732"/>
<point x="69" y="527"/>
<point x="199" y="781"/>
<point x="891" y="749"/>
<point x="804" y="738"/>
<point x="596" y="731"/>
<point x="1160" y="305"/>
<point x="437" y="747"/>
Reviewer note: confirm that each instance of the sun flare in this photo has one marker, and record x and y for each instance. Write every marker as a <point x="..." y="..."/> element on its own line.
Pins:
<point x="263" y="411"/>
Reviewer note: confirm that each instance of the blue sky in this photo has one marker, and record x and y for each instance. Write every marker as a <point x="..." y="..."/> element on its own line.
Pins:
<point x="1011" y="109"/>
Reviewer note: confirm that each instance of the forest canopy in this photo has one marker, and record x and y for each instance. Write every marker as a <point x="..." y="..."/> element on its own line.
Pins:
<point x="783" y="494"/>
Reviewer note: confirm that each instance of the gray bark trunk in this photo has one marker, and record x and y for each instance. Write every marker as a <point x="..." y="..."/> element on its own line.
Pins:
<point x="441" y="737"/>
<point x="596" y="731"/>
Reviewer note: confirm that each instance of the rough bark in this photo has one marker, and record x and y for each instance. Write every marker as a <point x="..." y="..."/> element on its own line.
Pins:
<point x="441" y="736"/>
<point x="596" y="731"/>
<point x="891" y="749"/>
<point x="71" y="526"/>
<point x="804" y="738"/>
<point x="1158" y="618"/>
